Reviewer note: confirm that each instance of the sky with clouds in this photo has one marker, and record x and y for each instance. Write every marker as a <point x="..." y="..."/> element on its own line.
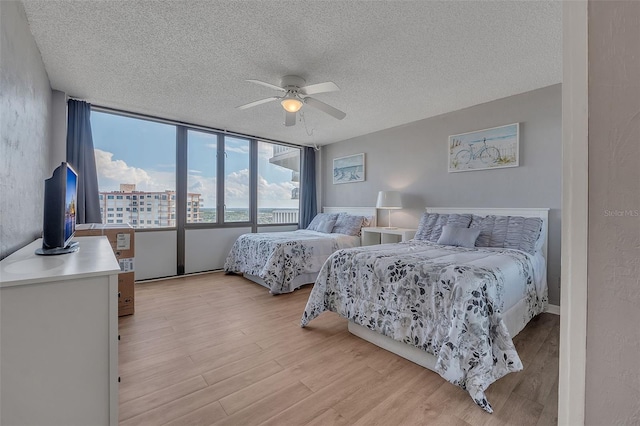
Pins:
<point x="143" y="152"/>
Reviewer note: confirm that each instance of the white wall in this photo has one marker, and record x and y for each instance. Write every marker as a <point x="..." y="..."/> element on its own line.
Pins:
<point x="25" y="127"/>
<point x="613" y="314"/>
<point x="413" y="159"/>
<point x="207" y="249"/>
<point x="156" y="254"/>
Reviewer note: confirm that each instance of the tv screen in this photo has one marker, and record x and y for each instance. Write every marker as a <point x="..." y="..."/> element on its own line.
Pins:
<point x="70" y="196"/>
<point x="60" y="203"/>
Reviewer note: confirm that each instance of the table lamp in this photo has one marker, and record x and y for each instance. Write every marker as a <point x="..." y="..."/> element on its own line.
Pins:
<point x="389" y="200"/>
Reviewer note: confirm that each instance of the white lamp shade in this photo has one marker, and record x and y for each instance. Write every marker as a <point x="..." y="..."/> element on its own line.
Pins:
<point x="389" y="200"/>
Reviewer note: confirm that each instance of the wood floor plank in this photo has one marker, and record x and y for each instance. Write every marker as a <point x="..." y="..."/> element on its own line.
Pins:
<point x="267" y="407"/>
<point x="549" y="415"/>
<point x="314" y="405"/>
<point x="522" y="412"/>
<point x="143" y="368"/>
<point x="256" y="391"/>
<point x="201" y="398"/>
<point x="359" y="404"/>
<point x="329" y="418"/>
<point x="541" y="375"/>
<point x="132" y="389"/>
<point x="202" y="416"/>
<point x="155" y="399"/>
<point x="215" y="348"/>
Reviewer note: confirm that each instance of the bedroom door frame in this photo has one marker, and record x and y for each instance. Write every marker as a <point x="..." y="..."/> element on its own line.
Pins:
<point x="575" y="174"/>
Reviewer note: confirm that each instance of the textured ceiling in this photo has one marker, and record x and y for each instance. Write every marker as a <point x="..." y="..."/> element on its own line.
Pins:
<point x="395" y="61"/>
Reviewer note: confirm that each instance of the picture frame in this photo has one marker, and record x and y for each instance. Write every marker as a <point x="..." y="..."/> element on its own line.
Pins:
<point x="349" y="169"/>
<point x="492" y="148"/>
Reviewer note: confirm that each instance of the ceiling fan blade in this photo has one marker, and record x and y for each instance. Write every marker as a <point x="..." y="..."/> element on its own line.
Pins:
<point x="260" y="102"/>
<point x="289" y="118"/>
<point x="334" y="112"/>
<point x="269" y="85"/>
<point x="328" y="86"/>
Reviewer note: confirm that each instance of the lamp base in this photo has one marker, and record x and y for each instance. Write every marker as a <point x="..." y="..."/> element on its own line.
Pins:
<point x="390" y="227"/>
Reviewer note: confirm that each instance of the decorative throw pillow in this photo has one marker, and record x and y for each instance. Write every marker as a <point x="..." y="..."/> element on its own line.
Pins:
<point x="514" y="232"/>
<point x="430" y="227"/>
<point x="326" y="226"/>
<point x="368" y="220"/>
<point x="313" y="226"/>
<point x="476" y="221"/>
<point x="348" y="224"/>
<point x="460" y="237"/>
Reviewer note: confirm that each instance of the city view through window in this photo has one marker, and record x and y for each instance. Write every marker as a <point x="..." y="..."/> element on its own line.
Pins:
<point x="136" y="166"/>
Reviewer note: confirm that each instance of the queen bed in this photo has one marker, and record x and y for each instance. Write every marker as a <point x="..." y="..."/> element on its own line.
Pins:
<point x="284" y="261"/>
<point x="451" y="299"/>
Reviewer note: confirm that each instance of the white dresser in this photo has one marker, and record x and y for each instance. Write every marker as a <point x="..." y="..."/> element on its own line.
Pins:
<point x="59" y="336"/>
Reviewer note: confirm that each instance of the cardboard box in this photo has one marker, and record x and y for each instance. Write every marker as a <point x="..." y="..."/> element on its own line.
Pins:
<point x="122" y="240"/>
<point x="126" y="290"/>
<point x="120" y="236"/>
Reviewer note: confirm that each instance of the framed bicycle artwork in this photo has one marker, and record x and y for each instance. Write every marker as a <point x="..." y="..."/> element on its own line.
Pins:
<point x="485" y="149"/>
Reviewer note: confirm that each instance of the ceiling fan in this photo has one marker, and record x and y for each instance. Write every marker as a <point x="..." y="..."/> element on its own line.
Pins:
<point x="295" y="95"/>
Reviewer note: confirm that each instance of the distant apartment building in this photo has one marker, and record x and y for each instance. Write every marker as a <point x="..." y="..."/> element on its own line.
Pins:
<point x="289" y="158"/>
<point x="144" y="209"/>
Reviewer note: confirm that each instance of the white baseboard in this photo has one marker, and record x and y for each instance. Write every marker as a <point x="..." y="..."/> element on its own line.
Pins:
<point x="553" y="309"/>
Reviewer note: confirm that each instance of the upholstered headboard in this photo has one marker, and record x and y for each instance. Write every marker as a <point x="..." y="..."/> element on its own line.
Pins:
<point x="542" y="213"/>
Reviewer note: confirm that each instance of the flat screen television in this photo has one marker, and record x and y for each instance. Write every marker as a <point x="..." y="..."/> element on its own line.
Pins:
<point x="59" y="225"/>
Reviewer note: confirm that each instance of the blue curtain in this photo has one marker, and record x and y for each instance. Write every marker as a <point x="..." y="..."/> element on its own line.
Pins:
<point x="81" y="157"/>
<point x="308" y="205"/>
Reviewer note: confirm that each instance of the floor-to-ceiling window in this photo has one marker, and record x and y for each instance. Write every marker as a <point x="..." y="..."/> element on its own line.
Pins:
<point x="191" y="189"/>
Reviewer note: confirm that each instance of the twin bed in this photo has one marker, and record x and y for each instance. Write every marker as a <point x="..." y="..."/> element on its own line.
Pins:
<point x="450" y="300"/>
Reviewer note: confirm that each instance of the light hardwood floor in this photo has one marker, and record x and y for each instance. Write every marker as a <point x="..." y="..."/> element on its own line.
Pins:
<point x="219" y="349"/>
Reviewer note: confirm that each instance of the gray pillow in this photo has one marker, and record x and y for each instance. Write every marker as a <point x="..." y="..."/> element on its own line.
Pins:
<point x="326" y="226"/>
<point x="430" y="227"/>
<point x="476" y="221"/>
<point x="460" y="237"/>
<point x="313" y="226"/>
<point x="348" y="224"/>
<point x="514" y="232"/>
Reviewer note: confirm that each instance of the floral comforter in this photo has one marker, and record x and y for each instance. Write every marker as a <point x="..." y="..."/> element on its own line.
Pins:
<point x="444" y="300"/>
<point x="279" y="257"/>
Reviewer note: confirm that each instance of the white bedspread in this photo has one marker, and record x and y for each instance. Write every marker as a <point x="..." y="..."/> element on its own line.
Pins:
<point x="279" y="257"/>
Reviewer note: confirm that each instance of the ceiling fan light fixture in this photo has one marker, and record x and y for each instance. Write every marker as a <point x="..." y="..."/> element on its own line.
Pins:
<point x="291" y="104"/>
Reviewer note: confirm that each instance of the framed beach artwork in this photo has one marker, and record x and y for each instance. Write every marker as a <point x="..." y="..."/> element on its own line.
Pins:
<point x="348" y="169"/>
<point x="485" y="149"/>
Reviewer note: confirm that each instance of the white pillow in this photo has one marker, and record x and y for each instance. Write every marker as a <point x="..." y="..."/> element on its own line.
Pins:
<point x="458" y="236"/>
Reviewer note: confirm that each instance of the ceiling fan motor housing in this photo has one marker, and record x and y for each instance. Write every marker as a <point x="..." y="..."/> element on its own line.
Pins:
<point x="292" y="83"/>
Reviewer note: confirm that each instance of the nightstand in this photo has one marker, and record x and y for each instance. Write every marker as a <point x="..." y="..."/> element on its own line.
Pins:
<point x="375" y="235"/>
